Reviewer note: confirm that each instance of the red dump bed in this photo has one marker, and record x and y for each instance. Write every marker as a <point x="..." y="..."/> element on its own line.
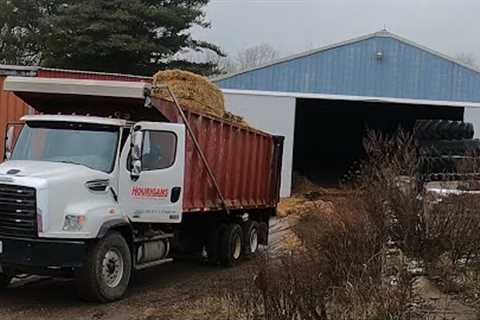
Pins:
<point x="246" y="163"/>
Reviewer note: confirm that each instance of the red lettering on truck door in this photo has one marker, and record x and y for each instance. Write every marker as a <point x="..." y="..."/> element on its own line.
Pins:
<point x="140" y="192"/>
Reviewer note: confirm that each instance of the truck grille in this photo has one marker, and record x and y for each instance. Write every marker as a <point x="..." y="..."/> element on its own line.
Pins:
<point x="18" y="211"/>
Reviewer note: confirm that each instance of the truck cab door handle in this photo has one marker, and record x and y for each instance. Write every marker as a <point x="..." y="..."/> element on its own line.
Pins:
<point x="175" y="194"/>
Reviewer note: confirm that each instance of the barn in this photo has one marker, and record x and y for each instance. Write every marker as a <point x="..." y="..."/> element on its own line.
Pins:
<point x="324" y="100"/>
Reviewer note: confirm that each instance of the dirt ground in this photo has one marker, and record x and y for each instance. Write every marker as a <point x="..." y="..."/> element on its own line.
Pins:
<point x="174" y="285"/>
<point x="443" y="306"/>
<point x="180" y="290"/>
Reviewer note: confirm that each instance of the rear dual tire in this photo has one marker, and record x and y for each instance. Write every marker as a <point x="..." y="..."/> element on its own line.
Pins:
<point x="251" y="234"/>
<point x="231" y="245"/>
<point x="228" y="243"/>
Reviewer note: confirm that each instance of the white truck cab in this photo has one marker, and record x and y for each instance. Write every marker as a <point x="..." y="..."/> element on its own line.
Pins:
<point x="80" y="165"/>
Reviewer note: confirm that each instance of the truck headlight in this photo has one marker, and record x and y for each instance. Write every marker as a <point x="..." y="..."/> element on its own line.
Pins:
<point x="74" y="222"/>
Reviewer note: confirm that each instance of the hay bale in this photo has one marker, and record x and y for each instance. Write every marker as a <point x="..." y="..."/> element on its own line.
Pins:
<point x="195" y="92"/>
<point x="192" y="91"/>
<point x="234" y="118"/>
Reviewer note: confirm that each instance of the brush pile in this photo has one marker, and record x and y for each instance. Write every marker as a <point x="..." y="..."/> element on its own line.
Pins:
<point x="194" y="92"/>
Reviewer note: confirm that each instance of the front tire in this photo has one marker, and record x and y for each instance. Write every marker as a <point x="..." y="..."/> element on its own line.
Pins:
<point x="231" y="245"/>
<point x="107" y="271"/>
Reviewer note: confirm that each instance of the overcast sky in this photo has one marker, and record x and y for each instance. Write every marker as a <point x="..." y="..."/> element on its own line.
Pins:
<point x="449" y="26"/>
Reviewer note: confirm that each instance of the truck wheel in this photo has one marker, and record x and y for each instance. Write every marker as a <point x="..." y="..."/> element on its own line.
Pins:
<point x="106" y="274"/>
<point x="251" y="238"/>
<point x="231" y="245"/>
<point x="4" y="280"/>
<point x="263" y="233"/>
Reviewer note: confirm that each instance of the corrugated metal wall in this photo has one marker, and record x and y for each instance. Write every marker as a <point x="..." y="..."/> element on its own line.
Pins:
<point x="406" y="71"/>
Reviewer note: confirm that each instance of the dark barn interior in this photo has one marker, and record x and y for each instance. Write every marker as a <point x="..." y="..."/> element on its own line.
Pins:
<point x="329" y="133"/>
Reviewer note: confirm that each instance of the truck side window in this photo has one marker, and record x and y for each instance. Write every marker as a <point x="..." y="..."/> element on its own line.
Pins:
<point x="159" y="150"/>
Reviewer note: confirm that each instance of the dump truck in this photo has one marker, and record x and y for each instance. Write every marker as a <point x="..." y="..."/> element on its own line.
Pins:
<point x="103" y="180"/>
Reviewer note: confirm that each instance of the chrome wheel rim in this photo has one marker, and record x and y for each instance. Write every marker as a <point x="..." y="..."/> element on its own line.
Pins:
<point x="237" y="247"/>
<point x="112" y="268"/>
<point x="253" y="241"/>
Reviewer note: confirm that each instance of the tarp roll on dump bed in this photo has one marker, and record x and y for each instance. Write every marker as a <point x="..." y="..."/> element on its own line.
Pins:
<point x="246" y="163"/>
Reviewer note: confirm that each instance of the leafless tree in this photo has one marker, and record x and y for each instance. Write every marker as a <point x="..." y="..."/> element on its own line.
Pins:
<point x="469" y="59"/>
<point x="256" y="56"/>
<point x="224" y="65"/>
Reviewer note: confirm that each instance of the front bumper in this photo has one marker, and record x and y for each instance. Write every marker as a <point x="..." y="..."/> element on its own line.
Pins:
<point x="41" y="256"/>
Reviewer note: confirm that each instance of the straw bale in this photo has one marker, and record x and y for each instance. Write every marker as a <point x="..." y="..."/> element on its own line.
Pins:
<point x="192" y="91"/>
<point x="195" y="92"/>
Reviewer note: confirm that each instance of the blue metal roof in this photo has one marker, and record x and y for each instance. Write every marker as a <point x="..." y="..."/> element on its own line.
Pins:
<point x="377" y="65"/>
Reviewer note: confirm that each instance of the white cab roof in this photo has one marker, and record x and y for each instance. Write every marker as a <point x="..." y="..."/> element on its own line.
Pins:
<point x="118" y="89"/>
<point x="82" y="119"/>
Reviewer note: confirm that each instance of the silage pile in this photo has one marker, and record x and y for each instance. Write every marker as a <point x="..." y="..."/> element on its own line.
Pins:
<point x="195" y="92"/>
<point x="307" y="197"/>
<point x="298" y="205"/>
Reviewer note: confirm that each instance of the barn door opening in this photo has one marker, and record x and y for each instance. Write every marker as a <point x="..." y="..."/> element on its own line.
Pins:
<point x="329" y="134"/>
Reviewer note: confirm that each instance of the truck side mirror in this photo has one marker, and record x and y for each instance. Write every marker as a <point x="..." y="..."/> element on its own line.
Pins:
<point x="136" y="152"/>
<point x="9" y="142"/>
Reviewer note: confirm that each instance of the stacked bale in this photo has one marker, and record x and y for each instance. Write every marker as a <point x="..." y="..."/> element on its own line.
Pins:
<point x="193" y="91"/>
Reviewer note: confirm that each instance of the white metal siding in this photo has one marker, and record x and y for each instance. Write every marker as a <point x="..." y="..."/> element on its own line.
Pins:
<point x="275" y="115"/>
<point x="473" y="115"/>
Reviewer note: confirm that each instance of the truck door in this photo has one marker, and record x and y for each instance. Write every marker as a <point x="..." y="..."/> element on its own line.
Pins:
<point x="156" y="194"/>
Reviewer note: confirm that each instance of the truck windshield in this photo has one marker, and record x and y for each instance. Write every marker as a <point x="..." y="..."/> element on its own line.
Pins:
<point x="90" y="145"/>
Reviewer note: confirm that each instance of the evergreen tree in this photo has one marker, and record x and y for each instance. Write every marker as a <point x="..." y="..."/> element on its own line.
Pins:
<point x="21" y="24"/>
<point x="127" y="36"/>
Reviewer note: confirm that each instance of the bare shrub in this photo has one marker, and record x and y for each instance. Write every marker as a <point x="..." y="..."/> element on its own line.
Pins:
<point x="391" y="187"/>
<point x="347" y="243"/>
<point x="348" y="246"/>
<point x="288" y="287"/>
<point x="338" y="275"/>
<point x="435" y="222"/>
<point x="368" y="300"/>
<point x="453" y="224"/>
<point x="426" y="219"/>
<point x="294" y="287"/>
<point x="343" y="270"/>
<point x="453" y="238"/>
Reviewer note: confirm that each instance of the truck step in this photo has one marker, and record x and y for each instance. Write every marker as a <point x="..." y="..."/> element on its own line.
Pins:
<point x="152" y="264"/>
